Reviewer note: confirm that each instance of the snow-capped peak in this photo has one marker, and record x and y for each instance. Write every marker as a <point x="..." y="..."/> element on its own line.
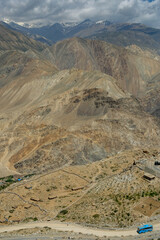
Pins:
<point x="6" y="20"/>
<point x="69" y="24"/>
<point x="100" y="22"/>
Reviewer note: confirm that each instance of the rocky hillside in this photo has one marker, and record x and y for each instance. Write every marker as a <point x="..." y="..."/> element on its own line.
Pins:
<point x="128" y="37"/>
<point x="151" y="100"/>
<point x="69" y="104"/>
<point x="109" y="193"/>
<point x="131" y="69"/>
<point x="71" y="133"/>
<point x="11" y="40"/>
<point x="16" y="64"/>
<point x="73" y="117"/>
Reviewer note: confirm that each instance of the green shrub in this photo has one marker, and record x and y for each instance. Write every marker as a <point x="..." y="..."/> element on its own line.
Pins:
<point x="64" y="212"/>
<point x="96" y="216"/>
<point x="4" y="186"/>
<point x="30" y="218"/>
<point x="9" y="179"/>
<point x="11" y="211"/>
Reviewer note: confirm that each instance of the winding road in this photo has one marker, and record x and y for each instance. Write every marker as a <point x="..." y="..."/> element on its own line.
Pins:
<point x="68" y="227"/>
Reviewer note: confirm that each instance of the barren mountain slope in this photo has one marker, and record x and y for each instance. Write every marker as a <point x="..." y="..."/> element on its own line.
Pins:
<point x="151" y="100"/>
<point x="15" y="64"/>
<point x="131" y="69"/>
<point x="109" y="193"/>
<point x="10" y="39"/>
<point x="36" y="103"/>
<point x="72" y="135"/>
<point x="73" y="117"/>
<point x="50" y="118"/>
<point x="128" y="37"/>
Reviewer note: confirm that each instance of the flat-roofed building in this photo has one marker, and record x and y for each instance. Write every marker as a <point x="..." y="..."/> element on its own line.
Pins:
<point x="148" y="176"/>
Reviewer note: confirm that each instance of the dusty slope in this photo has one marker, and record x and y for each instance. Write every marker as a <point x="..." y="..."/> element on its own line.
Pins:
<point x="11" y="40"/>
<point x="31" y="109"/>
<point x="128" y="37"/>
<point x="110" y="193"/>
<point x="73" y="117"/>
<point x="23" y="66"/>
<point x="61" y="124"/>
<point x="43" y="77"/>
<point x="131" y="69"/>
<point x="151" y="100"/>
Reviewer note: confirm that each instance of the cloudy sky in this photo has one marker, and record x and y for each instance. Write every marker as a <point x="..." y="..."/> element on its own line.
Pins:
<point x="47" y="11"/>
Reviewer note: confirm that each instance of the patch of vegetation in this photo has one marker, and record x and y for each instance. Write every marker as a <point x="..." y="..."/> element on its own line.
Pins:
<point x="30" y="219"/>
<point x="29" y="175"/>
<point x="114" y="168"/>
<point x="11" y="211"/>
<point x="151" y="193"/>
<point x="119" y="198"/>
<point x="96" y="216"/>
<point x="47" y="228"/>
<point x="64" y="212"/>
<point x="2" y="178"/>
<point x="100" y="176"/>
<point x="10" y="179"/>
<point x="4" y="186"/>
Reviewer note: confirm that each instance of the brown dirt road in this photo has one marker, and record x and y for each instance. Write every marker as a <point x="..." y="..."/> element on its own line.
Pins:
<point x="68" y="227"/>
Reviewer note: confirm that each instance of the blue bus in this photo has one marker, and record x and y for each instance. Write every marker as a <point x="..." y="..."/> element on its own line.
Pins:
<point x="145" y="228"/>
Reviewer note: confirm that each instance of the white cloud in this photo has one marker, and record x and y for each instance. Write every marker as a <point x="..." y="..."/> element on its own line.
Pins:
<point x="32" y="11"/>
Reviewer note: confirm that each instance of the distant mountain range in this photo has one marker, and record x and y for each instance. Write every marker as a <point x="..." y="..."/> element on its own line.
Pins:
<point x="117" y="33"/>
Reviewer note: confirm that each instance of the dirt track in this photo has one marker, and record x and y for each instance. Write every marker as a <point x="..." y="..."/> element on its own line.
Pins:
<point x="74" y="228"/>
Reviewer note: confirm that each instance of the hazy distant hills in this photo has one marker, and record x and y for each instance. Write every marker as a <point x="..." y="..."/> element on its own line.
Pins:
<point x="123" y="34"/>
<point x="129" y="37"/>
<point x="119" y="34"/>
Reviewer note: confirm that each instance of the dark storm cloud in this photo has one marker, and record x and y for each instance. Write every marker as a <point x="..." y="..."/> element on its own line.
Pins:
<point x="34" y="11"/>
